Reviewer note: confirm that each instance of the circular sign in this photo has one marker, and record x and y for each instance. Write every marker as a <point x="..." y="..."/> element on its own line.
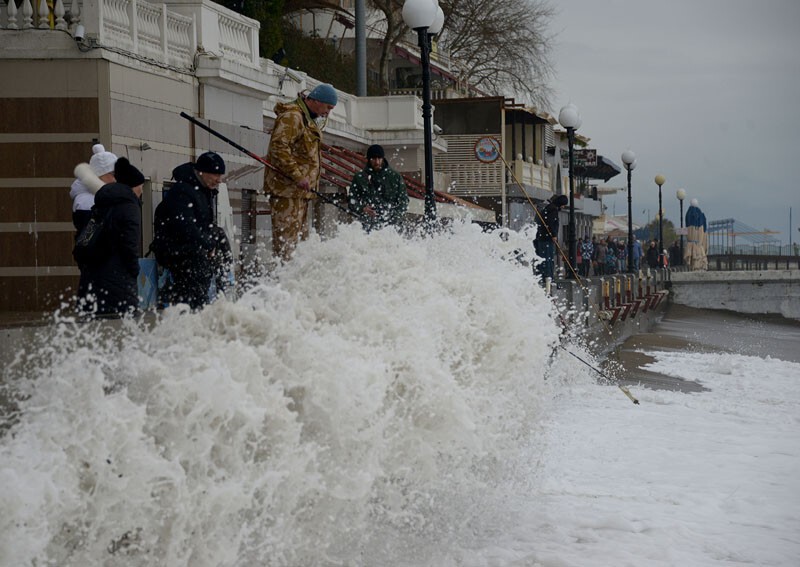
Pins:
<point x="487" y="149"/>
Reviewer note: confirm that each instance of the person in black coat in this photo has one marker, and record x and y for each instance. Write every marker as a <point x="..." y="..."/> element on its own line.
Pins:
<point x="108" y="282"/>
<point x="547" y="236"/>
<point x="652" y="255"/>
<point x="187" y="239"/>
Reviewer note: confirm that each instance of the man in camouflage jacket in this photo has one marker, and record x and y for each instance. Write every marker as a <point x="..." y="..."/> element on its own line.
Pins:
<point x="294" y="151"/>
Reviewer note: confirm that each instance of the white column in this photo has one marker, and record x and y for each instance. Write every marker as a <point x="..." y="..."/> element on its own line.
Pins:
<point x="61" y="23"/>
<point x="44" y="15"/>
<point x="27" y="15"/>
<point x="74" y="15"/>
<point x="12" y="15"/>
<point x="164" y="34"/>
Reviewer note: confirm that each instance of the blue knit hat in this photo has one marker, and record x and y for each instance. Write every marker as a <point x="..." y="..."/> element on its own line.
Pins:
<point x="324" y="93"/>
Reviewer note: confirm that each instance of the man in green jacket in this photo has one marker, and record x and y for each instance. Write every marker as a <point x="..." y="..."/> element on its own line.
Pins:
<point x="378" y="193"/>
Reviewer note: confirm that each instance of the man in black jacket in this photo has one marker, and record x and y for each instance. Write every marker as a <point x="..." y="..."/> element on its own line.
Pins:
<point x="187" y="239"/>
<point x="547" y="237"/>
<point x="108" y="281"/>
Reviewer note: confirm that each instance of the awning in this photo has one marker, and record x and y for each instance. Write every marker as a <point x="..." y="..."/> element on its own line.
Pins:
<point x="605" y="169"/>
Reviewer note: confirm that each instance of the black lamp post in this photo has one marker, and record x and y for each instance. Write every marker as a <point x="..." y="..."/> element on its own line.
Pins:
<point x="629" y="160"/>
<point x="681" y="195"/>
<point x="570" y="119"/>
<point x="660" y="180"/>
<point x="426" y="18"/>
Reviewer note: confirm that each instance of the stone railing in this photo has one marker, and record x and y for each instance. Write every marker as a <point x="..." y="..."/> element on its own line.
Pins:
<point x="35" y="15"/>
<point x="532" y="174"/>
<point x="170" y="32"/>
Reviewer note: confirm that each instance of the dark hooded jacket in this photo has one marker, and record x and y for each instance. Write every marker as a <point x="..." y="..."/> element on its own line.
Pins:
<point x="184" y="220"/>
<point x="111" y="280"/>
<point x="383" y="190"/>
<point x="547" y="220"/>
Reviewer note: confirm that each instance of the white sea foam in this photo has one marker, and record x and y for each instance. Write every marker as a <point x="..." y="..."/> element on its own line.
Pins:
<point x="373" y="402"/>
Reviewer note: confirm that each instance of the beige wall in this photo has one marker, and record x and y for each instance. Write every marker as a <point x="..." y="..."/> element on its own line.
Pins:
<point x="51" y="113"/>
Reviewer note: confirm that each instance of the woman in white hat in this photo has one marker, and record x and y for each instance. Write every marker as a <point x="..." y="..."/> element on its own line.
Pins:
<point x="102" y="164"/>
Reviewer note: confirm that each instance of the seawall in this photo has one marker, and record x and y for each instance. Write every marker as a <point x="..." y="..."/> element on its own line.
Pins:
<point x="775" y="292"/>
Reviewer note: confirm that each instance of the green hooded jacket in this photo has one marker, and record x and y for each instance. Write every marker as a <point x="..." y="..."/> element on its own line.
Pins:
<point x="384" y="190"/>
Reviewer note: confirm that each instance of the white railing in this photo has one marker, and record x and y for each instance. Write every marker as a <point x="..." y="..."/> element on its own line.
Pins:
<point x="168" y="32"/>
<point x="533" y="174"/>
<point x="32" y="15"/>
<point x="236" y="39"/>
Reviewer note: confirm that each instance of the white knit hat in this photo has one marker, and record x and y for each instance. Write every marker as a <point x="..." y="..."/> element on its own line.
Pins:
<point x="694" y="202"/>
<point x="102" y="162"/>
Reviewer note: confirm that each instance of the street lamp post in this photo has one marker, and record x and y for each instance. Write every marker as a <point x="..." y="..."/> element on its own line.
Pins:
<point x="570" y="119"/>
<point x="660" y="180"/>
<point x="629" y="160"/>
<point x="681" y="194"/>
<point x="426" y="18"/>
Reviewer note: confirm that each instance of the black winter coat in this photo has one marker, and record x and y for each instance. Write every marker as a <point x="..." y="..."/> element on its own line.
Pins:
<point x="652" y="257"/>
<point x="549" y="228"/>
<point x="111" y="281"/>
<point x="184" y="221"/>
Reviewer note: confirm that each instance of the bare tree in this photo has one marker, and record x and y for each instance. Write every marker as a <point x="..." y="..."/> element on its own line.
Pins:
<point x="395" y="30"/>
<point x="501" y="46"/>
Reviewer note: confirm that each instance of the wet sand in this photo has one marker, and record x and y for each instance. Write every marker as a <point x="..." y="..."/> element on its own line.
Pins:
<point x="702" y="330"/>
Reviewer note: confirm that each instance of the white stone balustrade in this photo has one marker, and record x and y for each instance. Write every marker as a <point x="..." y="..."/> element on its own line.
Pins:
<point x="532" y="174"/>
<point x="222" y="32"/>
<point x="168" y="32"/>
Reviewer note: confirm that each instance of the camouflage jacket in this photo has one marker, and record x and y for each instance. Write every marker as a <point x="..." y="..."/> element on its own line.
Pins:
<point x="294" y="149"/>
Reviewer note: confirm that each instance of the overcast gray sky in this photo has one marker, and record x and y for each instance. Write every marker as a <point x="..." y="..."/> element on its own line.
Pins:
<point x="705" y="92"/>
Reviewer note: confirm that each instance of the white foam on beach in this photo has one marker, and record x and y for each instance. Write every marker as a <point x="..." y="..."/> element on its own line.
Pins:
<point x="389" y="401"/>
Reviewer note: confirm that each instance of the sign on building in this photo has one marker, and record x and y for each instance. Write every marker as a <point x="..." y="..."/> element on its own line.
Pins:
<point x="583" y="158"/>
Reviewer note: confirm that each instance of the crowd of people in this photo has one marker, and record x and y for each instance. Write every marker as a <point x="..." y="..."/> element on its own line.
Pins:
<point x="194" y="253"/>
<point x="191" y="249"/>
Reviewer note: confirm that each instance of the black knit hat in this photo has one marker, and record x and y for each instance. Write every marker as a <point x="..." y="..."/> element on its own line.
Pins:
<point x="210" y="162"/>
<point x="375" y="151"/>
<point x="560" y="201"/>
<point x="127" y="174"/>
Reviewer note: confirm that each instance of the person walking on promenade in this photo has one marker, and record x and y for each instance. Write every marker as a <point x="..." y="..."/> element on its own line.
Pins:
<point x="622" y="257"/>
<point x="108" y="281"/>
<point x="611" y="256"/>
<point x="600" y="253"/>
<point x="587" y="253"/>
<point x="547" y="237"/>
<point x="652" y="255"/>
<point x="187" y="239"/>
<point x="102" y="165"/>
<point x="294" y="151"/>
<point x="637" y="255"/>
<point x="378" y="193"/>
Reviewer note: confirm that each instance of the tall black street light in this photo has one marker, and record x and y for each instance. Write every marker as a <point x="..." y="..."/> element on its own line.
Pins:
<point x="660" y="180"/>
<point x="681" y="195"/>
<point x="426" y="18"/>
<point x="629" y="161"/>
<point x="570" y="119"/>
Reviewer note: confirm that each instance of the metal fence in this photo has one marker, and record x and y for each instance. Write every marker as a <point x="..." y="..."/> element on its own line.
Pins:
<point x="763" y="249"/>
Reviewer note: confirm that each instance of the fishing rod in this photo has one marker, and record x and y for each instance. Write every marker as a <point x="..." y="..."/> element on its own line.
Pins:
<point x="567" y="263"/>
<point x="604" y="375"/>
<point x="258" y="158"/>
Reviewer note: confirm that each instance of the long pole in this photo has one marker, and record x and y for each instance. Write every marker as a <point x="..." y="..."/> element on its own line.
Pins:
<point x="630" y="225"/>
<point x="660" y="234"/>
<point x="361" y="48"/>
<point x="681" y="200"/>
<point x="571" y="234"/>
<point x="427" y="123"/>
<point x="257" y="157"/>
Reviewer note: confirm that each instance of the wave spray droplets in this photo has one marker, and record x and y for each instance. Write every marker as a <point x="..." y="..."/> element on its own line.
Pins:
<point x="371" y="403"/>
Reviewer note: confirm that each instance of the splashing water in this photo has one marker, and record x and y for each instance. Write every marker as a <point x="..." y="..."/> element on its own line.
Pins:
<point x="370" y="403"/>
